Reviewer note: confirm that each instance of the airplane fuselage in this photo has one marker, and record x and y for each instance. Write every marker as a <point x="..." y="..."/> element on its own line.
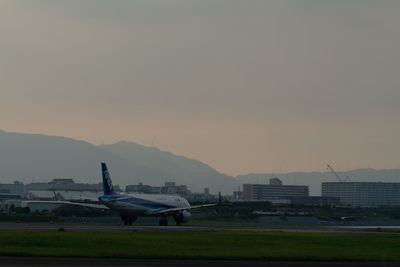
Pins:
<point x="143" y="204"/>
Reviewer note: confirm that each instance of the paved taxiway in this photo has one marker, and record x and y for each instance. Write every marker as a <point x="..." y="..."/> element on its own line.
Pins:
<point x="63" y="261"/>
<point x="121" y="228"/>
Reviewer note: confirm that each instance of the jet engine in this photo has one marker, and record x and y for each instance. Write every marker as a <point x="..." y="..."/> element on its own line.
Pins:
<point x="182" y="217"/>
<point x="186" y="216"/>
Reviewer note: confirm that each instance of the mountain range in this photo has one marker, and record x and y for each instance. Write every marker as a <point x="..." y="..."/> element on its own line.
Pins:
<point x="37" y="157"/>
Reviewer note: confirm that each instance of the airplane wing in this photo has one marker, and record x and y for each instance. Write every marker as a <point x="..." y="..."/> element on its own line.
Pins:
<point x="96" y="206"/>
<point x="85" y="198"/>
<point x="89" y="205"/>
<point x="56" y="201"/>
<point x="172" y="210"/>
<point x="204" y="205"/>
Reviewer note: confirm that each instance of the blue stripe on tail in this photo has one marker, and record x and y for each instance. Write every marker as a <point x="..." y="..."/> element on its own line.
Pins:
<point x="108" y="188"/>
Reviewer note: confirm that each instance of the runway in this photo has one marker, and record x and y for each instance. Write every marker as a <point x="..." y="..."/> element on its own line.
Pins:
<point x="122" y="228"/>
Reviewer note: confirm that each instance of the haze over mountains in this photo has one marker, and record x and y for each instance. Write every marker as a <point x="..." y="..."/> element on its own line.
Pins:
<point x="36" y="157"/>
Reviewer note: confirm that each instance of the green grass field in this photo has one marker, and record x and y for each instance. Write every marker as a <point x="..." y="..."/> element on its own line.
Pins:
<point x="204" y="245"/>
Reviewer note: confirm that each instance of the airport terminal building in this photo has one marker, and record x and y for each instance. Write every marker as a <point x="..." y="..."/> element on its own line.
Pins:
<point x="363" y="194"/>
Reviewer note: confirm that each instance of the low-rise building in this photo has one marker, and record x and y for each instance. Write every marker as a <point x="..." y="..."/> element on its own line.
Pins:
<point x="141" y="188"/>
<point x="66" y="184"/>
<point x="62" y="195"/>
<point x="17" y="188"/>
<point x="363" y="194"/>
<point x="168" y="188"/>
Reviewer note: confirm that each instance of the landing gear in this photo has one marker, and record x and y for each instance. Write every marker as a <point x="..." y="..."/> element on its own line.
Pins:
<point x="178" y="217"/>
<point x="163" y="222"/>
<point x="124" y="219"/>
<point x="128" y="220"/>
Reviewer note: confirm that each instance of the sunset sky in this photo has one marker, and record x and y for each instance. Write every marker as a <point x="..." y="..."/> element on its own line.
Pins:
<point x="244" y="86"/>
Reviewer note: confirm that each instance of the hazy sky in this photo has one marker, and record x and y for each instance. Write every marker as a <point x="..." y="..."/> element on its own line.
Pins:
<point x="244" y="86"/>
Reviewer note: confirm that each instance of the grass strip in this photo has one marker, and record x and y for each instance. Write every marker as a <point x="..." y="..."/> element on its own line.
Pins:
<point x="204" y="245"/>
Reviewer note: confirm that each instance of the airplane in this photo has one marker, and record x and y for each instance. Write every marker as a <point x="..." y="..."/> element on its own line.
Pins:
<point x="131" y="206"/>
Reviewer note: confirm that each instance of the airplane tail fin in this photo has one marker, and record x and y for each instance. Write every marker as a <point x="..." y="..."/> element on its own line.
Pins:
<point x="107" y="184"/>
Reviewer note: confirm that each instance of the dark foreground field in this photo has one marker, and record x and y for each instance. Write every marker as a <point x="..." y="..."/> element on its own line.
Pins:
<point x="83" y="262"/>
<point x="204" y="245"/>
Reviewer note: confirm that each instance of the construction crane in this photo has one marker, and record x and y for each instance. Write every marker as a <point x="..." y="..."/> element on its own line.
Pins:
<point x="337" y="176"/>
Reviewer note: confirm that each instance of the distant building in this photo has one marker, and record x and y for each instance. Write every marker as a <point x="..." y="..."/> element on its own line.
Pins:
<point x="34" y="206"/>
<point x="65" y="189"/>
<point x="237" y="196"/>
<point x="270" y="192"/>
<point x="6" y="196"/>
<point x="275" y="181"/>
<point x="6" y="205"/>
<point x="207" y="191"/>
<point x="62" y="195"/>
<point x="62" y="181"/>
<point x="172" y="188"/>
<point x="13" y="190"/>
<point x="66" y="184"/>
<point x="40" y="206"/>
<point x="169" y="184"/>
<point x="363" y="194"/>
<point x="168" y="188"/>
<point x="141" y="188"/>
